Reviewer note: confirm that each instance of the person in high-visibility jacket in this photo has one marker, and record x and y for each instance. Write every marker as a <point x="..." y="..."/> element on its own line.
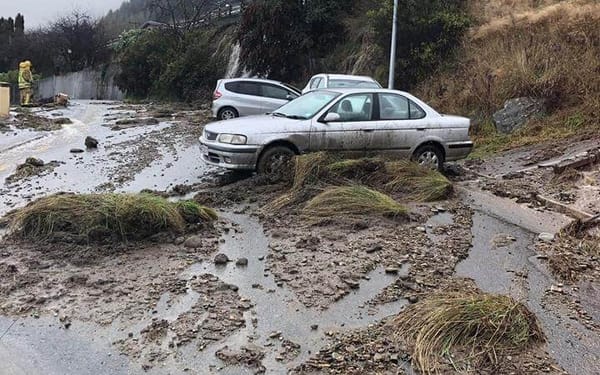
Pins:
<point x="25" y="82"/>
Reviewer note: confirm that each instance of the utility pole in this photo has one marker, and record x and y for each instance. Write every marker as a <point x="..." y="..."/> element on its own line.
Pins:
<point x="393" y="46"/>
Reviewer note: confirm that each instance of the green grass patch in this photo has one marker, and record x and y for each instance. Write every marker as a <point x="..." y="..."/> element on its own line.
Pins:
<point x="101" y="216"/>
<point x="352" y="200"/>
<point x="465" y="327"/>
<point x="417" y="183"/>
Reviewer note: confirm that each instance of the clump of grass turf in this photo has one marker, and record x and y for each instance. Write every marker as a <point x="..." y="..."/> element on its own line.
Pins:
<point x="353" y="200"/>
<point x="416" y="182"/>
<point x="116" y="216"/>
<point x="474" y="324"/>
<point x="192" y="212"/>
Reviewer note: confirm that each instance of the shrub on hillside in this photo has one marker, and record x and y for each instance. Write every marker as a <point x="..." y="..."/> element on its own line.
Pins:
<point x="160" y="64"/>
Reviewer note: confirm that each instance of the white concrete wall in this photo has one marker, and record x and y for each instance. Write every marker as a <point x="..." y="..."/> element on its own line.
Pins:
<point x="86" y="84"/>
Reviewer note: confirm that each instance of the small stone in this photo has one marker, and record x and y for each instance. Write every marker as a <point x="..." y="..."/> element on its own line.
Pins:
<point x="76" y="151"/>
<point x="422" y="229"/>
<point x="413" y="299"/>
<point x="314" y="327"/>
<point x="392" y="270"/>
<point x="546" y="237"/>
<point x="194" y="242"/>
<point x="91" y="142"/>
<point x="221" y="259"/>
<point x="179" y="240"/>
<point x="242" y="262"/>
<point x="274" y="334"/>
<point x="352" y="283"/>
<point x="374" y="248"/>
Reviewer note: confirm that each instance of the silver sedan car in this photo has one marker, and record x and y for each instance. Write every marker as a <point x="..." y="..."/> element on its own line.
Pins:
<point x="360" y="122"/>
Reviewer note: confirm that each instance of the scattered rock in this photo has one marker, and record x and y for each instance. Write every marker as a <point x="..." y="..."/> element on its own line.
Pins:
<point x="392" y="270"/>
<point x="242" y="262"/>
<point x="516" y="113"/>
<point x="314" y="327"/>
<point x="374" y="248"/>
<point x="221" y="259"/>
<point x="91" y="142"/>
<point x="194" y="242"/>
<point x="76" y="151"/>
<point x="546" y="237"/>
<point x="413" y="299"/>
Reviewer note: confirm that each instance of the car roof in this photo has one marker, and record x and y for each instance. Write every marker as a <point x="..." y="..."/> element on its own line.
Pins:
<point x="346" y="76"/>
<point x="363" y="89"/>
<point x="227" y="80"/>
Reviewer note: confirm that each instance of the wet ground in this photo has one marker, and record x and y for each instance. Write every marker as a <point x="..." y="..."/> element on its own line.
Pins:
<point x="169" y="309"/>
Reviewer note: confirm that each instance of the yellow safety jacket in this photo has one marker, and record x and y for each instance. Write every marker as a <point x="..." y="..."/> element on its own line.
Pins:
<point x="25" y="78"/>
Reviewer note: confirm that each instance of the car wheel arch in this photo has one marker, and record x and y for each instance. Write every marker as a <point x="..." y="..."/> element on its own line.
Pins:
<point x="433" y="143"/>
<point x="276" y="143"/>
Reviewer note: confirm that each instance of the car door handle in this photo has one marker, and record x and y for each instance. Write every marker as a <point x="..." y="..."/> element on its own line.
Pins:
<point x="368" y="130"/>
<point x="421" y="129"/>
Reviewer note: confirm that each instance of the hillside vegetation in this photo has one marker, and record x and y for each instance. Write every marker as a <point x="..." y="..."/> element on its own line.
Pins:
<point x="549" y="51"/>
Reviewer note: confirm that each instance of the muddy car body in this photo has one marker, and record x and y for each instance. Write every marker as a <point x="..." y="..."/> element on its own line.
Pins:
<point x="360" y="122"/>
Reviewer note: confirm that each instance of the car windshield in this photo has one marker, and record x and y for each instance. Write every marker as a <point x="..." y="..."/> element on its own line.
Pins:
<point x="343" y="83"/>
<point x="307" y="105"/>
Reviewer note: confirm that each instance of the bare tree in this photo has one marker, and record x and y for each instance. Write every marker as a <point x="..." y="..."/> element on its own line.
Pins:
<point x="183" y="15"/>
<point x="79" y="40"/>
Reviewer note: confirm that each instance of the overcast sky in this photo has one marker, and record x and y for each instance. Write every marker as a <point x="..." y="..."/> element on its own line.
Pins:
<point x="41" y="12"/>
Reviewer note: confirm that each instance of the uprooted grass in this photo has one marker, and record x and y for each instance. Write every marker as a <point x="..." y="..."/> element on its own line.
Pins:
<point x="102" y="216"/>
<point x="403" y="179"/>
<point x="353" y="200"/>
<point x="465" y="327"/>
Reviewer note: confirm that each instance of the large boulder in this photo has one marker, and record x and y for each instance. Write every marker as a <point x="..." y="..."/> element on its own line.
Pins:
<point x="517" y="112"/>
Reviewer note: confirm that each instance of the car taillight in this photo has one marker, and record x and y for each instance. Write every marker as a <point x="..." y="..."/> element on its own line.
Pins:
<point x="216" y="95"/>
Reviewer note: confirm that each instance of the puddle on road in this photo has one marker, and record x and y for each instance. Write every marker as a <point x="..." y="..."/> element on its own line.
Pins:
<point x="514" y="269"/>
<point x="276" y="308"/>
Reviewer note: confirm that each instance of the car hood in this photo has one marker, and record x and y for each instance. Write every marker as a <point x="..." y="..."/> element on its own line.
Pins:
<point x="259" y="124"/>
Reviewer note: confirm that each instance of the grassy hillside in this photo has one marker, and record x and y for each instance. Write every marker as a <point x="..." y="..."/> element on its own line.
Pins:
<point x="549" y="51"/>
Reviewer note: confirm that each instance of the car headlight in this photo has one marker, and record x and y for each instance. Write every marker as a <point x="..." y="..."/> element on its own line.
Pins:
<point x="234" y="139"/>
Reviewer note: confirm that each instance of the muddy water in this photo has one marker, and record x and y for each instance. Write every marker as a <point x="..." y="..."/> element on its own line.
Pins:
<point x="512" y="268"/>
<point x="87" y="171"/>
<point x="277" y="309"/>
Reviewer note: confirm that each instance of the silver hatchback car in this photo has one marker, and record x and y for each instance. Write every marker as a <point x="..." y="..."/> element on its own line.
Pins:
<point x="355" y="121"/>
<point x="248" y="96"/>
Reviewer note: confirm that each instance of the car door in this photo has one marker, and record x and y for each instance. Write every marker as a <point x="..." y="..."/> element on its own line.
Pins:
<point x="401" y="124"/>
<point x="275" y="96"/>
<point x="248" y="100"/>
<point x="347" y="134"/>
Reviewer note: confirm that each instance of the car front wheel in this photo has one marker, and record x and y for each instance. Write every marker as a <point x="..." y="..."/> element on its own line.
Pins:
<point x="227" y="113"/>
<point x="276" y="163"/>
<point x="429" y="156"/>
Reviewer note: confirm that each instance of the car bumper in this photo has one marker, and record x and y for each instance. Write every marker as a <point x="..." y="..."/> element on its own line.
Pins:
<point x="458" y="150"/>
<point x="214" y="109"/>
<point x="240" y="157"/>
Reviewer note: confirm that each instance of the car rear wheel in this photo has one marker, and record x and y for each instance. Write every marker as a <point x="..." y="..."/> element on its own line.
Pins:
<point x="276" y="163"/>
<point x="429" y="156"/>
<point x="227" y="113"/>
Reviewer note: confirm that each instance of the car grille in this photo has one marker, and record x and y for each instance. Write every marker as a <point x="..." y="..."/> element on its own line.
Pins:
<point x="210" y="136"/>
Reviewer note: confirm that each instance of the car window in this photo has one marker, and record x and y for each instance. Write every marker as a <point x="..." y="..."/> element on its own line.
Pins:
<point x="416" y="112"/>
<point x="307" y="105"/>
<point x="315" y="82"/>
<point x="244" y="87"/>
<point x="357" y="107"/>
<point x="397" y="107"/>
<point x="342" y="83"/>
<point x="272" y="91"/>
<point x="321" y="84"/>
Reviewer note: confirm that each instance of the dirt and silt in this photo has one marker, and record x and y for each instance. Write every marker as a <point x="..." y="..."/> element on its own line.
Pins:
<point x="295" y="294"/>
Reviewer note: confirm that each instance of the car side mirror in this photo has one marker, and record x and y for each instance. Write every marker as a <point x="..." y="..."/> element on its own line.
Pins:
<point x="332" y="117"/>
<point x="290" y="97"/>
